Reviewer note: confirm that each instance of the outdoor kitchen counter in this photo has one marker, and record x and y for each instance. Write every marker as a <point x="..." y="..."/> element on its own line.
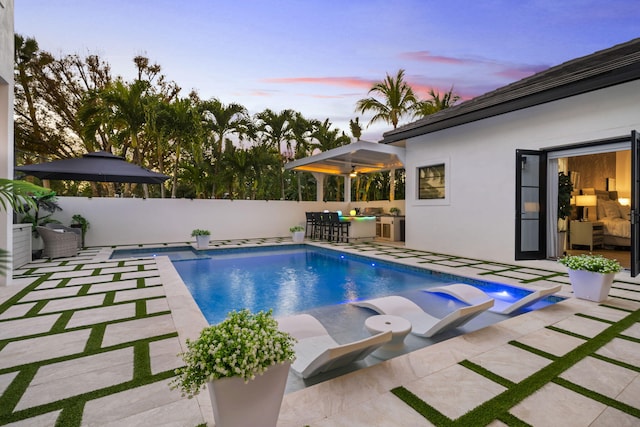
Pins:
<point x="363" y="227"/>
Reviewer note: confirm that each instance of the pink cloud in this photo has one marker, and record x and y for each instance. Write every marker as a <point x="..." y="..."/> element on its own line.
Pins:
<point x="426" y="56"/>
<point x="352" y="82"/>
<point x="261" y="93"/>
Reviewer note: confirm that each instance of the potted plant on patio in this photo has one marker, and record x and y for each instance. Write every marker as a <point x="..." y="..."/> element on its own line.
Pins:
<point x="297" y="233"/>
<point x="565" y="188"/>
<point x="78" y="221"/>
<point x="394" y="211"/>
<point x="202" y="238"/>
<point x="591" y="276"/>
<point x="244" y="360"/>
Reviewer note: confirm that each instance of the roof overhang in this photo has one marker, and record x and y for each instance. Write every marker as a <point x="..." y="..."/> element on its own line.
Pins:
<point x="359" y="156"/>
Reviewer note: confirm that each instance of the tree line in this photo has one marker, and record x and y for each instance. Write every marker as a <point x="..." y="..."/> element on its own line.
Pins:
<point x="72" y="105"/>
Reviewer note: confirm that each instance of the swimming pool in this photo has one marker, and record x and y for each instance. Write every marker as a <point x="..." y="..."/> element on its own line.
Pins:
<point x="300" y="278"/>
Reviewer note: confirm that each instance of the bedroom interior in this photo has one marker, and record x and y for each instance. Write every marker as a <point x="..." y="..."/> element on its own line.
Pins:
<point x="600" y="221"/>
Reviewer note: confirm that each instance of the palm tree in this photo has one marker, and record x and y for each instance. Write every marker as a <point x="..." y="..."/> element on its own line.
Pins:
<point x="302" y="133"/>
<point x="328" y="139"/>
<point x="436" y="103"/>
<point x="179" y="124"/>
<point x="398" y="100"/>
<point x="277" y="129"/>
<point x="356" y="128"/>
<point x="220" y="121"/>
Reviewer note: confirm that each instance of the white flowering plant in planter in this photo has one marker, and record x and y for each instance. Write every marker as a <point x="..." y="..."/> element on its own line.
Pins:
<point x="593" y="263"/>
<point x="243" y="345"/>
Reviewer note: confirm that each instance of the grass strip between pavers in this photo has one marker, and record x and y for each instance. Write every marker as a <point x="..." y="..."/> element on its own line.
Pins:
<point x="498" y="407"/>
<point x="81" y="399"/>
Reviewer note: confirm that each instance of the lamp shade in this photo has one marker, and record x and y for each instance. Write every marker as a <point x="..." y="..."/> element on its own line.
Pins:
<point x="586" y="200"/>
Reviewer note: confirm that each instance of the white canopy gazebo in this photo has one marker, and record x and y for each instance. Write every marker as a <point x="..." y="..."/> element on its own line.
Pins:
<point x="355" y="158"/>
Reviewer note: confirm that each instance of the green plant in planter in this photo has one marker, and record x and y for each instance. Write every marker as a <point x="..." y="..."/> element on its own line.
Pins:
<point x="19" y="196"/>
<point x="394" y="210"/>
<point x="79" y="220"/>
<point x="243" y="345"/>
<point x="199" y="232"/>
<point x="296" y="228"/>
<point x="564" y="195"/>
<point x="594" y="263"/>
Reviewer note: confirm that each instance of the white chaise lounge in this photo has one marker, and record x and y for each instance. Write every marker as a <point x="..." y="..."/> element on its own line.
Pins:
<point x="422" y="323"/>
<point x="317" y="352"/>
<point x="472" y="295"/>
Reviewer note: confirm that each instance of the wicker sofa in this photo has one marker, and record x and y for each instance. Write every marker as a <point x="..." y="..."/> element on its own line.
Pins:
<point x="78" y="231"/>
<point x="58" y="243"/>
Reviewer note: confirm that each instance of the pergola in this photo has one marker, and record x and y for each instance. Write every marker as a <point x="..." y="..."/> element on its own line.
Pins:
<point x="359" y="157"/>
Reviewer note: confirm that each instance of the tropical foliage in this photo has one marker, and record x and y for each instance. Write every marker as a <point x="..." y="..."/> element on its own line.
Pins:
<point x="71" y="105"/>
<point x="18" y="196"/>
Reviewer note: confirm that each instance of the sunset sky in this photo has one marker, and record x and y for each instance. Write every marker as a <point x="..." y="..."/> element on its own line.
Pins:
<point x="319" y="57"/>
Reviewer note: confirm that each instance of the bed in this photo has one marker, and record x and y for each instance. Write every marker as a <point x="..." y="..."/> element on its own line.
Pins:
<point x="615" y="217"/>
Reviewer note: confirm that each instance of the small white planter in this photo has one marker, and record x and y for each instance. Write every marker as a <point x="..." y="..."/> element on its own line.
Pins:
<point x="591" y="286"/>
<point x="298" y="236"/>
<point x="256" y="403"/>
<point x="202" y="241"/>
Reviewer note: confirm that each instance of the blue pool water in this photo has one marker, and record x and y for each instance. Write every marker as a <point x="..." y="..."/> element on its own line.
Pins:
<point x="300" y="278"/>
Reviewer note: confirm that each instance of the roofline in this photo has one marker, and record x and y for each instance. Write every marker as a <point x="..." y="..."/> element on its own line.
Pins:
<point x="452" y="116"/>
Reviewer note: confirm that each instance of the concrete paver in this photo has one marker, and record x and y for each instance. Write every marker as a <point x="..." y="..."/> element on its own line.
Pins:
<point x="359" y="398"/>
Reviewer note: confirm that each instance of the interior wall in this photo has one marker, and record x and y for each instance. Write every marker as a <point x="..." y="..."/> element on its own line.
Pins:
<point x="623" y="173"/>
<point x="594" y="169"/>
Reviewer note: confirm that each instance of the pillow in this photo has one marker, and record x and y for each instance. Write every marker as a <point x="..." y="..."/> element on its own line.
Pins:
<point x="611" y="209"/>
<point x="625" y="212"/>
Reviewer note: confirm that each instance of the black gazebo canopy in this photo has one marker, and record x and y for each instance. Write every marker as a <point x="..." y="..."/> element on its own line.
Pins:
<point x="100" y="166"/>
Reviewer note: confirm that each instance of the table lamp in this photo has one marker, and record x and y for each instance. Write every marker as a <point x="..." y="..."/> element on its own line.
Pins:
<point x="585" y="201"/>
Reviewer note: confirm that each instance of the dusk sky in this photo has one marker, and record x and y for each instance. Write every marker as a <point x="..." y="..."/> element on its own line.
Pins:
<point x="320" y="57"/>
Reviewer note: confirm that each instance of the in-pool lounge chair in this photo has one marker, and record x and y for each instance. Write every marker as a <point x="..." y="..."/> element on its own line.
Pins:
<point x="422" y="323"/>
<point x="317" y="352"/>
<point x="472" y="295"/>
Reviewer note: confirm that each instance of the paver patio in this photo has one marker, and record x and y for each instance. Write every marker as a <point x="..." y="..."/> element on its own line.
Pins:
<point x="92" y="341"/>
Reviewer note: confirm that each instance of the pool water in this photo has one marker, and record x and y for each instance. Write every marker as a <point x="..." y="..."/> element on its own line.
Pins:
<point x="300" y="278"/>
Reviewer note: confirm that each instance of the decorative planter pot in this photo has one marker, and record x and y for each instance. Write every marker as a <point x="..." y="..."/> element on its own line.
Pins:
<point x="298" y="236"/>
<point x="202" y="242"/>
<point x="589" y="285"/>
<point x="256" y="403"/>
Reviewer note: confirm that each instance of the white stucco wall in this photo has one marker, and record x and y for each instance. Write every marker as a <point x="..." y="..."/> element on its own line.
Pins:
<point x="479" y="219"/>
<point x="6" y="117"/>
<point x="117" y="221"/>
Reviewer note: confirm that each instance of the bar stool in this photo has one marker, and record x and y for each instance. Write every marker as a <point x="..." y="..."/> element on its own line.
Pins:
<point x="338" y="230"/>
<point x="308" y="229"/>
<point x="318" y="229"/>
<point x="325" y="226"/>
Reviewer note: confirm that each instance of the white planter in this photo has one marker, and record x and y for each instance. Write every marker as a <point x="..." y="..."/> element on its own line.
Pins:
<point x="589" y="285"/>
<point x="256" y="403"/>
<point x="298" y="236"/>
<point x="202" y="242"/>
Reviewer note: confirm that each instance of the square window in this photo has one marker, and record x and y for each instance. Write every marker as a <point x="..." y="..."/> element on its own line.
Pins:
<point x="431" y="182"/>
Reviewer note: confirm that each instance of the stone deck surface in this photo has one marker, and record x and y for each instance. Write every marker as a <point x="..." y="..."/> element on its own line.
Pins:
<point x="101" y="337"/>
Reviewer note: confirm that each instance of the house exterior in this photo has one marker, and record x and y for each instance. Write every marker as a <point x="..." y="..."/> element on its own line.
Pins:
<point x="6" y="115"/>
<point x="470" y="189"/>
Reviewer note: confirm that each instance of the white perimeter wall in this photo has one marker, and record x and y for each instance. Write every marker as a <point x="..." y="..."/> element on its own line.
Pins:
<point x="479" y="221"/>
<point x="129" y="221"/>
